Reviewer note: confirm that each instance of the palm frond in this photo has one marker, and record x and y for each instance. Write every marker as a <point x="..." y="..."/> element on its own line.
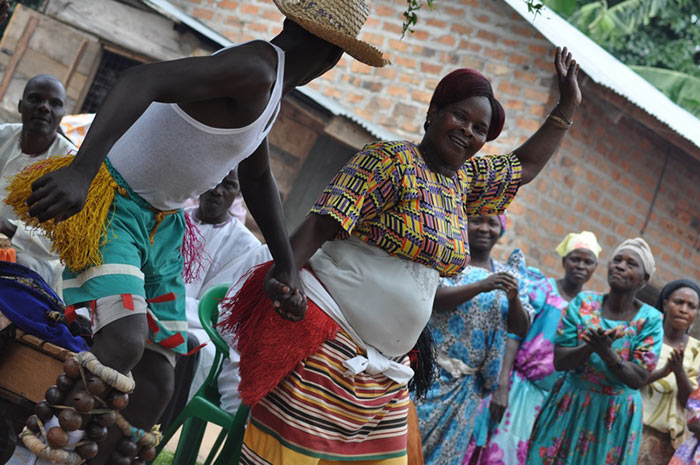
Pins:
<point x="681" y="88"/>
<point x="603" y="23"/>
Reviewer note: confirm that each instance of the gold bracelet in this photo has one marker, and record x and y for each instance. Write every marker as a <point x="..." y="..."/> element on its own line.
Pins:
<point x="558" y="121"/>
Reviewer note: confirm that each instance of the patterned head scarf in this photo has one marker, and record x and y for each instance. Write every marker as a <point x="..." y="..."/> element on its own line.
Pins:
<point x="642" y="249"/>
<point x="672" y="287"/>
<point x="583" y="240"/>
<point x="464" y="83"/>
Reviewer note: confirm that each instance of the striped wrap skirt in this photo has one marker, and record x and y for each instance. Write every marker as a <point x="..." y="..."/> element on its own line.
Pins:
<point x="320" y="415"/>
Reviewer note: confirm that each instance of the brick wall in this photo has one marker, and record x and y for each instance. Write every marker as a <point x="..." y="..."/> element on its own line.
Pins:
<point x="603" y="178"/>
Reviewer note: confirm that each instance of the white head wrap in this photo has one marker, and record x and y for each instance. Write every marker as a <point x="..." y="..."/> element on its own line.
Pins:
<point x="642" y="249"/>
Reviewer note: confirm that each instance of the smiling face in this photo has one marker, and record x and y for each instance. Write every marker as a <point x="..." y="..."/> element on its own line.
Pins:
<point x="626" y="272"/>
<point x="579" y="266"/>
<point x="681" y="308"/>
<point x="457" y="131"/>
<point x="483" y="231"/>
<point x="42" y="106"/>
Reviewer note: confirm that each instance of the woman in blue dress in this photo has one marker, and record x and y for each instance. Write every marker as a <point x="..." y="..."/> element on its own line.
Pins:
<point x="502" y="431"/>
<point x="471" y="315"/>
<point x="608" y="344"/>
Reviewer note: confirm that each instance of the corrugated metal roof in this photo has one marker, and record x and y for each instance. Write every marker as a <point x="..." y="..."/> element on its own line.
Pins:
<point x="169" y="11"/>
<point x="606" y="70"/>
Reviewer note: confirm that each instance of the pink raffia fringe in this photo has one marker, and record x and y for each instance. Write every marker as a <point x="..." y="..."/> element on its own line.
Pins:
<point x="196" y="258"/>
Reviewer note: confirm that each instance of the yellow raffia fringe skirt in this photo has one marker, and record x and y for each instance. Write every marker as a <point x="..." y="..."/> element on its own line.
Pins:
<point x="78" y="239"/>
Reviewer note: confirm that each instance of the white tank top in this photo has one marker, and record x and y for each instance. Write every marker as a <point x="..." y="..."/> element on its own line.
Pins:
<point x="167" y="156"/>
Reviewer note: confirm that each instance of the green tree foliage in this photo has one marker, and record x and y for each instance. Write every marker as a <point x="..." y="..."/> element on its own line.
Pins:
<point x="411" y="16"/>
<point x="682" y="88"/>
<point x="659" y="39"/>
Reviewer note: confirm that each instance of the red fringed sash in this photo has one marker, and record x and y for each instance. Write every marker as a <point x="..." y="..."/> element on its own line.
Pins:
<point x="270" y="346"/>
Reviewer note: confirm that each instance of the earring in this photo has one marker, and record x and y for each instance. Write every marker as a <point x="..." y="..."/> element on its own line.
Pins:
<point x="427" y="123"/>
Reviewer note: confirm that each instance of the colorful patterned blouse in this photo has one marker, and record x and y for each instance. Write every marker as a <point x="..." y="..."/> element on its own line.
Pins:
<point x="386" y="195"/>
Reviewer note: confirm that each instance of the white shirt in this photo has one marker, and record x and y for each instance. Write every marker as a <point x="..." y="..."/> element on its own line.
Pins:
<point x="167" y="156"/>
<point x="224" y="244"/>
<point x="33" y="249"/>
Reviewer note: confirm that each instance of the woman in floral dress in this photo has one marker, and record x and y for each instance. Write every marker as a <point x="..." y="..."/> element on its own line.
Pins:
<point x="471" y="315"/>
<point x="502" y="431"/>
<point x="608" y="344"/>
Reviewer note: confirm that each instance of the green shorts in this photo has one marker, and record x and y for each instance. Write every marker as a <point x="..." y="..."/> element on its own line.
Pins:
<point x="135" y="264"/>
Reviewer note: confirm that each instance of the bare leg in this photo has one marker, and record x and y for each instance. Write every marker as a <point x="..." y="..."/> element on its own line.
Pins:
<point x="155" y="380"/>
<point x="154" y="377"/>
<point x="119" y="345"/>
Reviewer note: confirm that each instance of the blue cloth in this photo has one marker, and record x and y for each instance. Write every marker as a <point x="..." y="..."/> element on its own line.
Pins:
<point x="27" y="301"/>
<point x="532" y="378"/>
<point x="475" y="334"/>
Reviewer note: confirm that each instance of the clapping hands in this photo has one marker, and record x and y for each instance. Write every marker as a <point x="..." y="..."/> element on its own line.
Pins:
<point x="601" y="340"/>
<point x="675" y="361"/>
<point x="503" y="281"/>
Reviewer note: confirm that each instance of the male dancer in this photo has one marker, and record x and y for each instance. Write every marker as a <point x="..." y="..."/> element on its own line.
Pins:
<point x="167" y="132"/>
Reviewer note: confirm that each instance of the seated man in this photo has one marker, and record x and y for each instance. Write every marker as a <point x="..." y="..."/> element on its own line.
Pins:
<point x="229" y="378"/>
<point x="225" y="240"/>
<point x="42" y="106"/>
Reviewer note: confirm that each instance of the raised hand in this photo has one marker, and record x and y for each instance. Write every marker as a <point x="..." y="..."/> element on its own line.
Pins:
<point x="58" y="195"/>
<point x="569" y="90"/>
<point x="288" y="300"/>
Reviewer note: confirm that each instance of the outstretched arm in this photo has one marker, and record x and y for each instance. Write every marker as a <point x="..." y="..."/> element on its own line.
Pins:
<point x="539" y="148"/>
<point x="260" y="192"/>
<point x="62" y="193"/>
<point x="450" y="297"/>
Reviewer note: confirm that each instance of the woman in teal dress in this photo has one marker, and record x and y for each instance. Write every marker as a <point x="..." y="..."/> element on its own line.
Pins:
<point x="608" y="344"/>
<point x="502" y="437"/>
<point x="471" y="315"/>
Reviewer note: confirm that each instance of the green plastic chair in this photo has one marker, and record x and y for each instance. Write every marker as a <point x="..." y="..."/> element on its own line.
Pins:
<point x="204" y="406"/>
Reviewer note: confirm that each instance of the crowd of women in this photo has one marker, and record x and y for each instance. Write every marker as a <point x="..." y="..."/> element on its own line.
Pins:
<point x="529" y="369"/>
<point x="594" y="379"/>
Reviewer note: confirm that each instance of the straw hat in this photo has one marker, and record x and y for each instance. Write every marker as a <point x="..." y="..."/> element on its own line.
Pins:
<point x="336" y="21"/>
